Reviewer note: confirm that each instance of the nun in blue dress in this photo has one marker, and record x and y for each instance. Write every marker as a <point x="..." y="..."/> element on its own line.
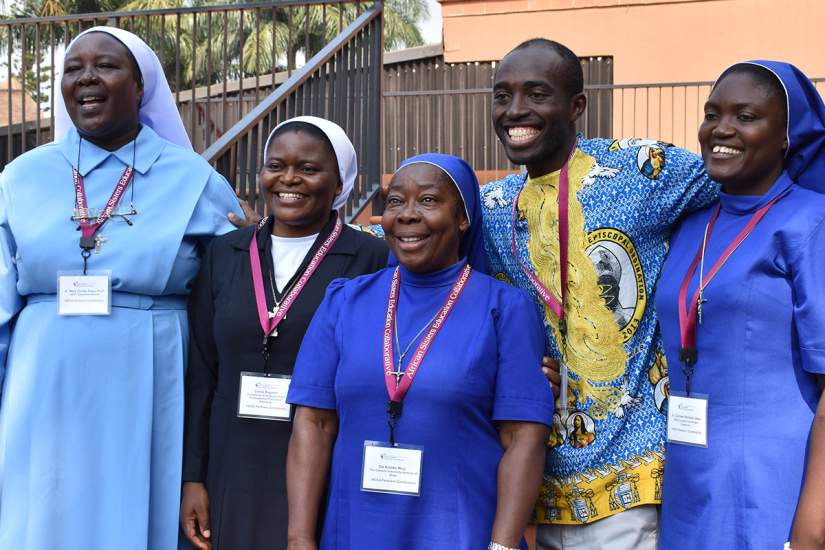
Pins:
<point x="742" y="313"/>
<point x="430" y="367"/>
<point x="91" y="410"/>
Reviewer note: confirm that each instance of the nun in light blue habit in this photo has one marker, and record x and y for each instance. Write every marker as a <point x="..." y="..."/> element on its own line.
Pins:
<point x="760" y="346"/>
<point x="91" y="409"/>
<point x="481" y="370"/>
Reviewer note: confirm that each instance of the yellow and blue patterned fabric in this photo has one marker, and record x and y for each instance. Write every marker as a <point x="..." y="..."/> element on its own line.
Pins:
<point x="606" y="454"/>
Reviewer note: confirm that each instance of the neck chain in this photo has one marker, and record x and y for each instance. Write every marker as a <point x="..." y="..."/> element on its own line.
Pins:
<point x="701" y="299"/>
<point x="398" y="372"/>
<point x="275" y="299"/>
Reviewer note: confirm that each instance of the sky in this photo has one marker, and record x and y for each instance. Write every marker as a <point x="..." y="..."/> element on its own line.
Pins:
<point x="431" y="28"/>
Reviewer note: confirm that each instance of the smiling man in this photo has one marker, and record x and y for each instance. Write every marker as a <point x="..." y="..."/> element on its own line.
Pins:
<point x="606" y="454"/>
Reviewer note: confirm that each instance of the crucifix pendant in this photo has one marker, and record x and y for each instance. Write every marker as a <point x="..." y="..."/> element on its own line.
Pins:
<point x="99" y="240"/>
<point x="398" y="374"/>
<point x="274" y="312"/>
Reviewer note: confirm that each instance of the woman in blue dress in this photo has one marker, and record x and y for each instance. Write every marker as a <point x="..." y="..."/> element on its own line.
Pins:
<point x="742" y="315"/>
<point x="91" y="413"/>
<point x="420" y="404"/>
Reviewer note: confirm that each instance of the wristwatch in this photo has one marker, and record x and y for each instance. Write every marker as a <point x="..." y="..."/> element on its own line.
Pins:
<point x="497" y="546"/>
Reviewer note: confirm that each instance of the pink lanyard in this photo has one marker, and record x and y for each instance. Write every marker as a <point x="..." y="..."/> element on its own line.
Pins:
<point x="270" y="320"/>
<point x="688" y="314"/>
<point x="397" y="389"/>
<point x="556" y="306"/>
<point x="89" y="229"/>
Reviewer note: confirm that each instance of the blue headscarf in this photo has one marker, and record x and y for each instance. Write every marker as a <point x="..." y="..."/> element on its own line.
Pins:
<point x="472" y="242"/>
<point x="805" y="157"/>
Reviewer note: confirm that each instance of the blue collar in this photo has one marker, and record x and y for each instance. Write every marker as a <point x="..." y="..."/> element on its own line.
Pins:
<point x="747" y="204"/>
<point x="146" y="149"/>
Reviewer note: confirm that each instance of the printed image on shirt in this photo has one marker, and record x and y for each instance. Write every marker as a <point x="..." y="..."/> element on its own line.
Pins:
<point x="582" y="430"/>
<point x="621" y="279"/>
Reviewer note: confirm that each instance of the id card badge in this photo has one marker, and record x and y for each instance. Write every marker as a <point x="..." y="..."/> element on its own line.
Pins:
<point x="263" y="396"/>
<point x="392" y="469"/>
<point x="89" y="294"/>
<point x="687" y="419"/>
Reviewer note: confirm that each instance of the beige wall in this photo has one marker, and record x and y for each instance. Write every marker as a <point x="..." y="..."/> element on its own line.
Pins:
<point x="649" y="40"/>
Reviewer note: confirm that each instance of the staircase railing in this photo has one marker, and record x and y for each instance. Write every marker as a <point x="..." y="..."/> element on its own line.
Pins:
<point x="342" y="83"/>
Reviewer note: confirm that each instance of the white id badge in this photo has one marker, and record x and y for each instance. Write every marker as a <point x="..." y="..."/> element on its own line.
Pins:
<point x="264" y="396"/>
<point x="89" y="294"/>
<point x="392" y="469"/>
<point x="687" y="419"/>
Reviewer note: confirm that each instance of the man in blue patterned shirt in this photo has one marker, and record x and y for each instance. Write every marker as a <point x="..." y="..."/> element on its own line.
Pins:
<point x="605" y="455"/>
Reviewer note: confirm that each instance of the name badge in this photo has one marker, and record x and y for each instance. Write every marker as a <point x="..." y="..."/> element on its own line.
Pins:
<point x="687" y="419"/>
<point x="392" y="469"/>
<point x="264" y="396"/>
<point x="89" y="294"/>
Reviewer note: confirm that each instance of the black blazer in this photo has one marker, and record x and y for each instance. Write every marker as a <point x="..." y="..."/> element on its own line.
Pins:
<point x="243" y="461"/>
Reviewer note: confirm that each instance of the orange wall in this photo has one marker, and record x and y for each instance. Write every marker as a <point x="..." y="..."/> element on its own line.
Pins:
<point x="650" y="40"/>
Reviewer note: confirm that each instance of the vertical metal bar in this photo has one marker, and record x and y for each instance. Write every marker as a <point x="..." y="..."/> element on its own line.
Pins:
<point x="162" y="30"/>
<point x="177" y="59"/>
<point x="306" y="34"/>
<point x="333" y="87"/>
<point x="9" y="138"/>
<point x="192" y="104"/>
<point x="324" y="22"/>
<point x="376" y="67"/>
<point x="225" y="76"/>
<point x="257" y="55"/>
<point x="274" y="57"/>
<point x="241" y="66"/>
<point x="290" y="47"/>
<point x="55" y="89"/>
<point x="37" y="83"/>
<point x="208" y="111"/>
<point x="659" y="132"/>
<point x="23" y="93"/>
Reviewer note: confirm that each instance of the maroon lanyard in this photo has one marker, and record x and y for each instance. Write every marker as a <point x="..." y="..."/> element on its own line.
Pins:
<point x="270" y="320"/>
<point x="688" y="314"/>
<point x="555" y="305"/>
<point x="88" y="229"/>
<point x="397" y="388"/>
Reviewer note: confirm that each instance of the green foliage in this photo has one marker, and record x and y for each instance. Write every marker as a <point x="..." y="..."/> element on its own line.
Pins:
<point x="255" y="41"/>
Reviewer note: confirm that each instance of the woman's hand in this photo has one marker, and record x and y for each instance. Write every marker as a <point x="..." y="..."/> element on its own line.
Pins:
<point x="307" y="468"/>
<point x="520" y="474"/>
<point x="552" y="370"/>
<point x="194" y="515"/>
<point x="251" y="216"/>
<point x="808" y="531"/>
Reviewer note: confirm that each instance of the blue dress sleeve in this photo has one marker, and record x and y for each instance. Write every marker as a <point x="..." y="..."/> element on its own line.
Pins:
<point x="10" y="300"/>
<point x="216" y="201"/>
<point x="808" y="280"/>
<point x="522" y="392"/>
<point x="313" y="379"/>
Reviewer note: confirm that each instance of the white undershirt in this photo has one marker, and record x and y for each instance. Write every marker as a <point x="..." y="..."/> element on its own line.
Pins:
<point x="288" y="254"/>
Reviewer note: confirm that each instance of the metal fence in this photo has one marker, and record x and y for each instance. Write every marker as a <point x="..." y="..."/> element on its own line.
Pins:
<point x="341" y="83"/>
<point x="220" y="60"/>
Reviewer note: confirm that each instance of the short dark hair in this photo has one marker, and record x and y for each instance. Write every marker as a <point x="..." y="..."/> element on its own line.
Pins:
<point x="572" y="75"/>
<point x="765" y="79"/>
<point x="306" y="127"/>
